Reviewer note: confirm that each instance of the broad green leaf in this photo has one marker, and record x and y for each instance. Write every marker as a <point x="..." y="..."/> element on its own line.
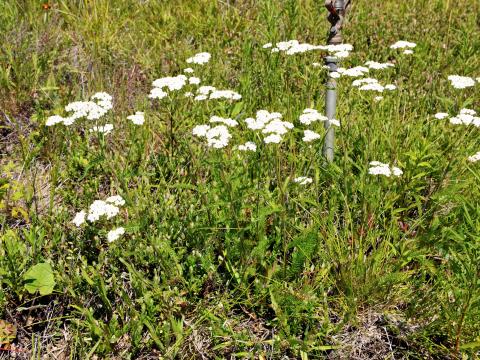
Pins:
<point x="40" y="278"/>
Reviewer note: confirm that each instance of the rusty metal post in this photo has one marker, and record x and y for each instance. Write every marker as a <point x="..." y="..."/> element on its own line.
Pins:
<point x="336" y="9"/>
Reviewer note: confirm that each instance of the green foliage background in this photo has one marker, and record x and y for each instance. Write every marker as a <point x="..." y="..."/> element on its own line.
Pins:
<point x="224" y="256"/>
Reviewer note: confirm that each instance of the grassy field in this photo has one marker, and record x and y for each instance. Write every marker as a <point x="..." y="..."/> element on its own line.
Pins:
<point x="224" y="254"/>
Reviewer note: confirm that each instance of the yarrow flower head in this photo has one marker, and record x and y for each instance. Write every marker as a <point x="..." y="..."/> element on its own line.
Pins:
<point x="262" y="118"/>
<point x="248" y="146"/>
<point x="369" y="84"/>
<point x="474" y="158"/>
<point x="466" y="117"/>
<point x="293" y="47"/>
<point x="226" y="121"/>
<point x="200" y="58"/>
<point x="353" y="72"/>
<point x="105" y="129"/>
<point x="378" y="66"/>
<point x="138" y="118"/>
<point x="100" y="103"/>
<point x="171" y="83"/>
<point x="273" y="138"/>
<point x="441" y="115"/>
<point x="311" y="115"/>
<point x="403" y="44"/>
<point x="309" y="136"/>
<point x="217" y="137"/>
<point x="108" y="208"/>
<point x="303" y="180"/>
<point x="461" y="82"/>
<point x="378" y="168"/>
<point x="115" y="234"/>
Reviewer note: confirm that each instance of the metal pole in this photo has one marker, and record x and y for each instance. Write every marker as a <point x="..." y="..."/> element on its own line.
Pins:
<point x="336" y="15"/>
<point x="331" y="105"/>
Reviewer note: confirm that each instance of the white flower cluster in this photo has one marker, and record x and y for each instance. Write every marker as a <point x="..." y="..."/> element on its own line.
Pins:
<point x="115" y="234"/>
<point x="311" y="115"/>
<point x="441" y="115"/>
<point x="99" y="104"/>
<point x="461" y="82"/>
<point x="466" y="117"/>
<point x="474" y="158"/>
<point x="108" y="208"/>
<point x="271" y="125"/>
<point x="293" y="47"/>
<point x="200" y="58"/>
<point x="309" y="136"/>
<point x="171" y="83"/>
<point x="248" y="146"/>
<point x="211" y="92"/>
<point x="378" y="168"/>
<point x="353" y="72"/>
<point x="378" y="66"/>
<point x="138" y="118"/>
<point x="105" y="129"/>
<point x="403" y="45"/>
<point x="369" y="84"/>
<point x="217" y="137"/>
<point x="225" y="121"/>
<point x="303" y="180"/>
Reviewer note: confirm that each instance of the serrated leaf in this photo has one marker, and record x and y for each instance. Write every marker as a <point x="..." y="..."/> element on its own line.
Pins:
<point x="40" y="278"/>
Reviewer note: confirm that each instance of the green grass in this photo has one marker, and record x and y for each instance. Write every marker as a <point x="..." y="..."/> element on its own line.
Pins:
<point x="224" y="256"/>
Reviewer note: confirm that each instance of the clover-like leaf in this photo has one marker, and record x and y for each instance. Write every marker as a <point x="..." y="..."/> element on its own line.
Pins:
<point x="40" y="278"/>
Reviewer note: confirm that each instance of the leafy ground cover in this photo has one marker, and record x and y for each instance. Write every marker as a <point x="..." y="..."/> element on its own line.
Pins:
<point x="167" y="235"/>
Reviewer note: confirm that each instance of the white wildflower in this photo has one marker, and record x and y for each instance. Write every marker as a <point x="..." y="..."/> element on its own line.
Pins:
<point x="461" y="82"/>
<point x="311" y="115"/>
<point x="403" y="44"/>
<point x="378" y="98"/>
<point x="115" y="200"/>
<point x="474" y="158"/>
<point x="105" y="129"/>
<point x="378" y="66"/>
<point x="218" y="136"/>
<point x="79" y="218"/>
<point x="274" y="138"/>
<point x="360" y="82"/>
<point x="157" y="93"/>
<point x="101" y="208"/>
<point x="53" y="120"/>
<point x="201" y="97"/>
<point x="408" y="52"/>
<point x="277" y="126"/>
<point x="353" y="72"/>
<point x="115" y="234"/>
<point x="334" y="122"/>
<point x="248" y="146"/>
<point x="309" y="136"/>
<point x="441" y="115"/>
<point x="390" y="87"/>
<point x="225" y="94"/>
<point x="226" y="121"/>
<point x="138" y="118"/>
<point x="378" y="168"/>
<point x="194" y="80"/>
<point x="267" y="45"/>
<point x="334" y="75"/>
<point x="206" y="89"/>
<point x="303" y="180"/>
<point x="189" y="94"/>
<point x="172" y="83"/>
<point x="468" y="112"/>
<point x="188" y="70"/>
<point x="200" y="130"/>
<point x="200" y="58"/>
